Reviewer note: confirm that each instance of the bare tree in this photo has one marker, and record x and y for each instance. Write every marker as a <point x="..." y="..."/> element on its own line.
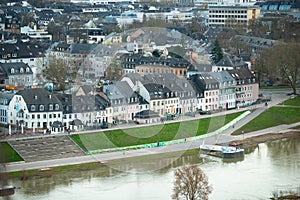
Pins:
<point x="57" y="72"/>
<point x="284" y="59"/>
<point x="191" y="183"/>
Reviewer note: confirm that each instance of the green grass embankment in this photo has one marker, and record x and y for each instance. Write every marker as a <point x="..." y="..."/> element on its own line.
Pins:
<point x="274" y="116"/>
<point x="151" y="134"/>
<point x="8" y="154"/>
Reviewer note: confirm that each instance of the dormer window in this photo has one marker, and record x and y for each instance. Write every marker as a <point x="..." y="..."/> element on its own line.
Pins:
<point x="21" y="70"/>
<point x="56" y="107"/>
<point x="27" y="69"/>
<point x="32" y="107"/>
<point x="42" y="107"/>
<point x="12" y="70"/>
<point x="50" y="107"/>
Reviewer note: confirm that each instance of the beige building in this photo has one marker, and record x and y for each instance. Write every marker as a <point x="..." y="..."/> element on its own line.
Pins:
<point x="232" y="15"/>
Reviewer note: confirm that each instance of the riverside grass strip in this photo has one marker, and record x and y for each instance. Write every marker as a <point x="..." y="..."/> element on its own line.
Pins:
<point x="137" y="137"/>
<point x="8" y="154"/>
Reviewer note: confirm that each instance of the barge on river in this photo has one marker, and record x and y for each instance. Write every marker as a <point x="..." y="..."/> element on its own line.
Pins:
<point x="7" y="190"/>
<point x="222" y="151"/>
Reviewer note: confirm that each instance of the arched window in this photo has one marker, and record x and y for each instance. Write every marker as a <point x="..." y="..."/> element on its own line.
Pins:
<point x="32" y="107"/>
<point x="21" y="70"/>
<point x="12" y="70"/>
<point x="27" y="69"/>
<point x="42" y="107"/>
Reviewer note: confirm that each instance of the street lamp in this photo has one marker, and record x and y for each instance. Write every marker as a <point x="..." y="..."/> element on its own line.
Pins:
<point x="243" y="135"/>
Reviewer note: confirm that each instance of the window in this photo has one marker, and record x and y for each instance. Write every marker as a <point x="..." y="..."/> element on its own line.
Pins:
<point x="54" y="115"/>
<point x="12" y="70"/>
<point x="50" y="107"/>
<point x="44" y="116"/>
<point x="38" y="116"/>
<point x="56" y="107"/>
<point x="32" y="107"/>
<point x="32" y="116"/>
<point x="42" y="107"/>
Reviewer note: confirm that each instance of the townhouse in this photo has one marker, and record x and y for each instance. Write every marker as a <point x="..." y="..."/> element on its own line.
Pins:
<point x="207" y="89"/>
<point x="181" y="88"/>
<point x="247" y="87"/>
<point x="83" y="109"/>
<point x="227" y="84"/>
<point x="14" y="75"/>
<point x="166" y="93"/>
<point x="124" y="101"/>
<point x="29" y="53"/>
<point x="5" y="98"/>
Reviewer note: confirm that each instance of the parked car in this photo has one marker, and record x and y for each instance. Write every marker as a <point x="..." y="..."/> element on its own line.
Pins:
<point x="104" y="125"/>
<point x="204" y="112"/>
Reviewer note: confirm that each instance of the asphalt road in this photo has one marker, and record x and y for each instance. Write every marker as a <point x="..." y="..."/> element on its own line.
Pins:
<point x="277" y="97"/>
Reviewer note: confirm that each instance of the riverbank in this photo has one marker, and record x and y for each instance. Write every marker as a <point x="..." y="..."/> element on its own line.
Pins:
<point x="246" y="143"/>
<point x="265" y="138"/>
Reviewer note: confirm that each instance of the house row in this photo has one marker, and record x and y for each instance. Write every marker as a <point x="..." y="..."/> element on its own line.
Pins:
<point x="144" y="99"/>
<point x="143" y="65"/>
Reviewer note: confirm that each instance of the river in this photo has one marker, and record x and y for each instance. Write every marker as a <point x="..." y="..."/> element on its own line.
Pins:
<point x="267" y="168"/>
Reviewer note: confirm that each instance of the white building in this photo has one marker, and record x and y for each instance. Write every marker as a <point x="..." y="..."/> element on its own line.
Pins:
<point x="36" y="109"/>
<point x="36" y="34"/>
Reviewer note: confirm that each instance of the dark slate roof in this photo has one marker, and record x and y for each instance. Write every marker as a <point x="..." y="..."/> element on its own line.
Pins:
<point x="133" y="60"/>
<point x="66" y="101"/>
<point x="204" y="81"/>
<point x="146" y="114"/>
<point x="158" y="91"/>
<point x="244" y="75"/>
<point x="21" y="50"/>
<point x="119" y="90"/>
<point x="181" y="87"/>
<point x="61" y="46"/>
<point x="87" y="89"/>
<point x="81" y="48"/>
<point x="79" y="104"/>
<point x="40" y="96"/>
<point x="256" y="41"/>
<point x="232" y="61"/>
<point x="19" y="68"/>
<point x="101" y="103"/>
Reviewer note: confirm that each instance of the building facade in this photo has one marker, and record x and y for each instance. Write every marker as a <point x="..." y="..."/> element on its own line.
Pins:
<point x="232" y="15"/>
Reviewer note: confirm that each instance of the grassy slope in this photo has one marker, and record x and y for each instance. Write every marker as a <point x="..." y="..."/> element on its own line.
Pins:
<point x="274" y="116"/>
<point x="292" y="102"/>
<point x="8" y="154"/>
<point x="144" y="135"/>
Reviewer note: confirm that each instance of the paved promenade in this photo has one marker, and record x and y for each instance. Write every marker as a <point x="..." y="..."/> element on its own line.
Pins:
<point x="223" y="137"/>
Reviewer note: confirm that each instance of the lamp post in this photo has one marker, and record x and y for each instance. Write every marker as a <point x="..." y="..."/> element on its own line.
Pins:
<point x="243" y="135"/>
